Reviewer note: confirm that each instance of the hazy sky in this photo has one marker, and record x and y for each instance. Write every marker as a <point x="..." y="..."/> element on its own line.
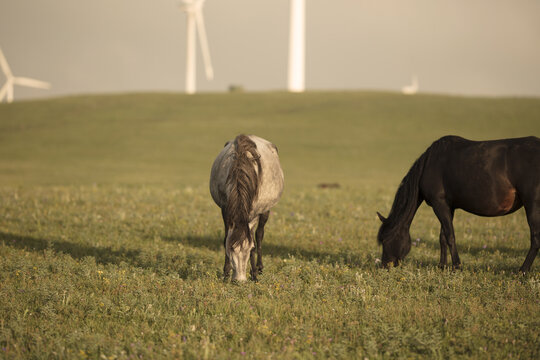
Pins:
<point x="471" y="47"/>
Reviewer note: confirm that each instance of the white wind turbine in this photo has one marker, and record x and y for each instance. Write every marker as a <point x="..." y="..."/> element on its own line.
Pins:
<point x="195" y="23"/>
<point x="297" y="46"/>
<point x="7" y="90"/>
<point x="411" y="89"/>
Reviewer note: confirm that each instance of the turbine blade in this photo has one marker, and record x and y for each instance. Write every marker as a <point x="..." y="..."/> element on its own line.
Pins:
<point x="3" y="92"/>
<point x="9" y="96"/>
<point x="4" y="65"/>
<point x="191" y="54"/>
<point x="23" y="81"/>
<point x="204" y="44"/>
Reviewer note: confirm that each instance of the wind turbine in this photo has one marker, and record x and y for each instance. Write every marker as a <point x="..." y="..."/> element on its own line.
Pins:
<point x="411" y="89"/>
<point x="297" y="46"/>
<point x="7" y="90"/>
<point x="195" y="23"/>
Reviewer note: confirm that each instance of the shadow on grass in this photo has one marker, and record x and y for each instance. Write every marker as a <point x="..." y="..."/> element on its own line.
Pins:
<point x="107" y="255"/>
<point x="103" y="255"/>
<point x="357" y="259"/>
<point x="185" y="267"/>
<point x="479" y="250"/>
<point x="344" y="257"/>
<point x="476" y="252"/>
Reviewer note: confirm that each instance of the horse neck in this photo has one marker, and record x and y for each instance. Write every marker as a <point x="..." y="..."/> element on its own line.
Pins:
<point x="243" y="181"/>
<point x="404" y="217"/>
<point x="408" y="197"/>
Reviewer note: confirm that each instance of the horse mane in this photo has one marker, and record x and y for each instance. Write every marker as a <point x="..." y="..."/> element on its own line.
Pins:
<point x="406" y="200"/>
<point x="243" y="185"/>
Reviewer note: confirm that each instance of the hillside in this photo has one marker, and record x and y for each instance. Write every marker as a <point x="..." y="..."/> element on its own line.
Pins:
<point x="347" y="137"/>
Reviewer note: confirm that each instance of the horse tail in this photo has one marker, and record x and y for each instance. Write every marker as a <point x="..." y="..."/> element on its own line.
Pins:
<point x="243" y="185"/>
<point x="407" y="199"/>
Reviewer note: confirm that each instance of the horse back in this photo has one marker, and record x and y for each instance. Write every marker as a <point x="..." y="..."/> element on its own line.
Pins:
<point x="270" y="180"/>
<point x="524" y="163"/>
<point x="487" y="178"/>
<point x="219" y="174"/>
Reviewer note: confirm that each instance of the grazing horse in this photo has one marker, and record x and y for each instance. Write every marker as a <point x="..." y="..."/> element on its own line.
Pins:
<point x="486" y="178"/>
<point x="246" y="181"/>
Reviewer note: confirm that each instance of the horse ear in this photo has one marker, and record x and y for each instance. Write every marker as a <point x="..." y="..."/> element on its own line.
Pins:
<point x="382" y="218"/>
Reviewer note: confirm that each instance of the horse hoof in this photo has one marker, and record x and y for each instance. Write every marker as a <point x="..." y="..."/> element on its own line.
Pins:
<point x="260" y="271"/>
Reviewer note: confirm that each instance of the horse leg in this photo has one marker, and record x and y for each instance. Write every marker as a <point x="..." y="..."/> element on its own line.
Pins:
<point x="446" y="217"/>
<point x="227" y="266"/>
<point x="254" y="269"/>
<point x="259" y="235"/>
<point x="253" y="265"/>
<point x="444" y="244"/>
<point x="532" y="210"/>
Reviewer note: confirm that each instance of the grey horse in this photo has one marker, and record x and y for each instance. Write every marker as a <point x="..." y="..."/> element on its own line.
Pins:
<point x="246" y="181"/>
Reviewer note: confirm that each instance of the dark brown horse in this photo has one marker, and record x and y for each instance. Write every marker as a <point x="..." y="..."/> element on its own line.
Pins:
<point x="486" y="178"/>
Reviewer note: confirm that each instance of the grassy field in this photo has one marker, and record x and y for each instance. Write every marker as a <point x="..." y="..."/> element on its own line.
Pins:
<point x="111" y="247"/>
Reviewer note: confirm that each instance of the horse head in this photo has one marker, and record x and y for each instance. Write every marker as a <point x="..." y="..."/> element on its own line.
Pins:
<point x="395" y="240"/>
<point x="238" y="246"/>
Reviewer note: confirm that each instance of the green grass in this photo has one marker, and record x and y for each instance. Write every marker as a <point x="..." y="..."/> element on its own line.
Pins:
<point x="111" y="247"/>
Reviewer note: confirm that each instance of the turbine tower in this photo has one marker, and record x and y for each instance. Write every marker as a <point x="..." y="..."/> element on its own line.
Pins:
<point x="297" y="46"/>
<point x="195" y="23"/>
<point x="7" y="90"/>
<point x="411" y="89"/>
